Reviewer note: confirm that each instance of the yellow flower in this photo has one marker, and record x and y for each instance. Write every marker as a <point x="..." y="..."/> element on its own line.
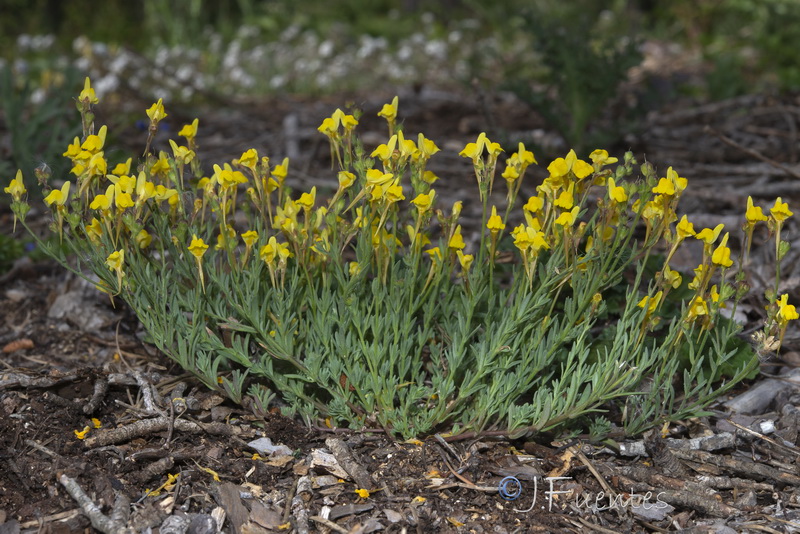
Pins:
<point x="425" y="149"/>
<point x="699" y="273"/>
<point x="651" y="303"/>
<point x="281" y="170"/>
<point x="97" y="165"/>
<point x="273" y="250"/>
<point x="424" y="201"/>
<point x="116" y="260"/>
<point x="122" y="168"/>
<point x="376" y="177"/>
<point x="582" y="169"/>
<point x="457" y="241"/>
<point x="671" y="278"/>
<point x="465" y="260"/>
<point x="417" y="239"/>
<point x="528" y="238"/>
<point x="94" y="230"/>
<point x="561" y="166"/>
<point x="88" y="95"/>
<point x="697" y="308"/>
<point x="495" y="223"/>
<point x="197" y="247"/>
<point x="160" y="166"/>
<point x="122" y="200"/>
<point x="144" y="189"/>
<point x="566" y="199"/>
<point x="664" y="187"/>
<point x="346" y="179"/>
<point x="524" y="157"/>
<point x="600" y="158"/>
<point x="786" y="311"/>
<point x="780" y="211"/>
<point x="435" y="255"/>
<point x="81" y="434"/>
<point x="616" y="192"/>
<point x="17" y="187"/>
<point x="754" y="214"/>
<point x="94" y="143"/>
<point x="568" y="217"/>
<point x="124" y="184"/>
<point x="389" y="111"/>
<point x="73" y="150"/>
<point x="722" y="254"/>
<point x="558" y="168"/>
<point x="103" y="202"/>
<point x="307" y="200"/>
<point x="534" y="204"/>
<point x="708" y="236"/>
<point x="456" y="211"/>
<point x="684" y="228"/>
<point x="679" y="182"/>
<point x="156" y="111"/>
<point x="249" y="238"/>
<point x="510" y="173"/>
<point x="429" y="177"/>
<point x="96" y="422"/>
<point x="475" y="150"/>
<point x="385" y="151"/>
<point x="353" y="268"/>
<point x="363" y="493"/>
<point x="330" y="126"/>
<point x="228" y="238"/>
<point x="189" y="131"/>
<point x="181" y="153"/>
<point x="143" y="239"/>
<point x="394" y="193"/>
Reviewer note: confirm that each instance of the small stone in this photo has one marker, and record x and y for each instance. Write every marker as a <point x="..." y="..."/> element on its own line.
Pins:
<point x="393" y="516"/>
<point x="328" y="462"/>
<point x="202" y="524"/>
<point x="175" y="524"/>
<point x="264" y="446"/>
<point x="16" y="295"/>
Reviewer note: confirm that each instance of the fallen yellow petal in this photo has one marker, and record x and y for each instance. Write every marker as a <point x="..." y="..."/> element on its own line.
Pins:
<point x="209" y="471"/>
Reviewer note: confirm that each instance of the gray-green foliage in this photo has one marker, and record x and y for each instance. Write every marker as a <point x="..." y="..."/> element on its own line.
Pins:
<point x="345" y="319"/>
<point x="414" y="361"/>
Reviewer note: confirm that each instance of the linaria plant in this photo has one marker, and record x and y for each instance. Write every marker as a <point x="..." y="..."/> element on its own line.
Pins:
<point x="369" y="309"/>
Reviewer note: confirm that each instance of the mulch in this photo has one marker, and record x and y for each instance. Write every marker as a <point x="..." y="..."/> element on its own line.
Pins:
<point x="171" y="456"/>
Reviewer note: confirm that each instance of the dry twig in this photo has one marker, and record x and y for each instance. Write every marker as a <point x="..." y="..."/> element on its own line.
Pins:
<point x="99" y="520"/>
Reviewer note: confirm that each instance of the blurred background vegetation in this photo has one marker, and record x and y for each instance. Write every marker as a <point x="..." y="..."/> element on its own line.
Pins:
<point x="568" y="60"/>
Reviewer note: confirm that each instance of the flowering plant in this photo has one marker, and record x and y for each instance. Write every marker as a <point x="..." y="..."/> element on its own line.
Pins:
<point x="370" y="308"/>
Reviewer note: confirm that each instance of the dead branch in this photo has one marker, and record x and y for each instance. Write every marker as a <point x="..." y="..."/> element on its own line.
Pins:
<point x="150" y="426"/>
<point x="99" y="393"/>
<point x="744" y="468"/>
<point x="345" y="458"/>
<point x="99" y="520"/>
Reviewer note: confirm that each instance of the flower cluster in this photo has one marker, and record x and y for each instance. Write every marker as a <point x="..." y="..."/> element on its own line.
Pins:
<point x="376" y="279"/>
